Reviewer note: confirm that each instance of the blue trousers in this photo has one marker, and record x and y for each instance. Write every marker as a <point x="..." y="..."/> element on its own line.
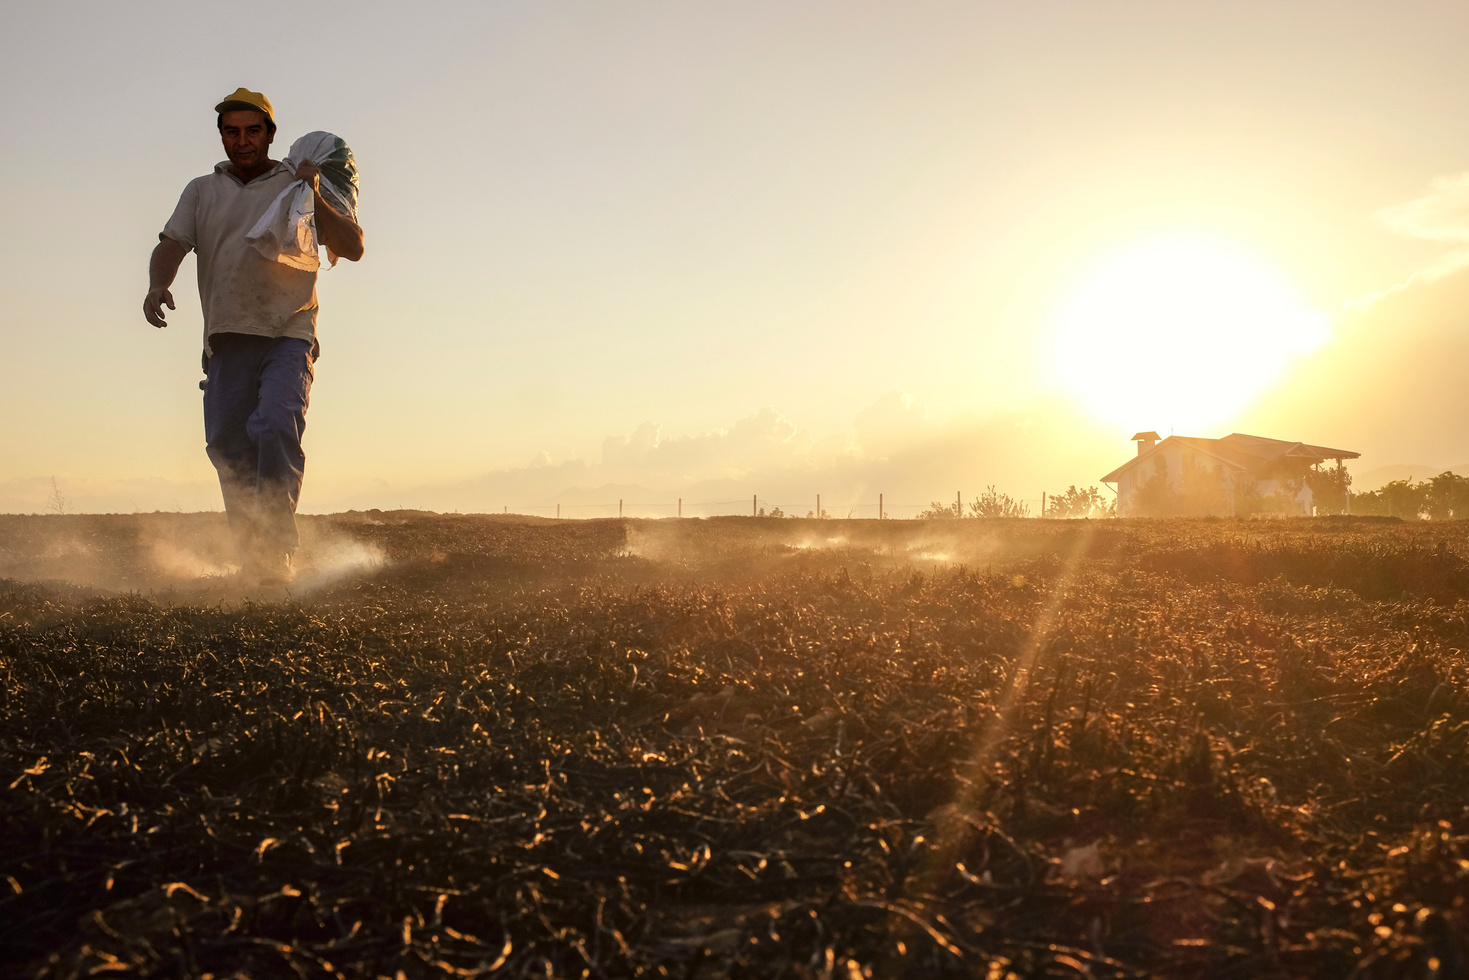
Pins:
<point x="255" y="398"/>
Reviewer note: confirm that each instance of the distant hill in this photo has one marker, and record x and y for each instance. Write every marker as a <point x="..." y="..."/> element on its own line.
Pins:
<point x="1377" y="478"/>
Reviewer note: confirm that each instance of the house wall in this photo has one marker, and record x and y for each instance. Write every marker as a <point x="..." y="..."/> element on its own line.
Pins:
<point x="1126" y="487"/>
<point x="1176" y="458"/>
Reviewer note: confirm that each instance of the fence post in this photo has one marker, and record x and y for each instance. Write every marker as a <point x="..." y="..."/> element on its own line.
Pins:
<point x="680" y="507"/>
<point x="1043" y="505"/>
<point x="558" y="512"/>
<point x="818" y="505"/>
<point x="879" y="506"/>
<point x="959" y="503"/>
<point x="619" y="508"/>
<point x="754" y="505"/>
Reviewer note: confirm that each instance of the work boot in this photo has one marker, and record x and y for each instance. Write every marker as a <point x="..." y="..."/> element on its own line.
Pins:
<point x="268" y="568"/>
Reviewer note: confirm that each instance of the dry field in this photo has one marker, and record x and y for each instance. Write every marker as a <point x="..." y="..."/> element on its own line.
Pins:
<point x="482" y="745"/>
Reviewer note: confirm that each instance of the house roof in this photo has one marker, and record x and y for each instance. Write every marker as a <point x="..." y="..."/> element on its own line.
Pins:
<point x="1241" y="452"/>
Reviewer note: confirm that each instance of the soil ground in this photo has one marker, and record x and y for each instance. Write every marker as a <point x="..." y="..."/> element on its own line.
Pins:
<point x="463" y="745"/>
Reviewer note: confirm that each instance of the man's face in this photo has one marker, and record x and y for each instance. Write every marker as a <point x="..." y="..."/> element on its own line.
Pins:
<point x="246" y="140"/>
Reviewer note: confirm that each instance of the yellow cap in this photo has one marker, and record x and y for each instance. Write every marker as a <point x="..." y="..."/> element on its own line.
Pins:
<point x="243" y="98"/>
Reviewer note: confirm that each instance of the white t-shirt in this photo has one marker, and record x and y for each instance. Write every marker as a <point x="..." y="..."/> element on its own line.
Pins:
<point x="240" y="290"/>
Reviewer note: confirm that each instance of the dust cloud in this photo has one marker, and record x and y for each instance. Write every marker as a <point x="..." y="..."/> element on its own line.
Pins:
<point x="760" y="543"/>
<point x="163" y="553"/>
<point x="191" y="558"/>
<point x="328" y="557"/>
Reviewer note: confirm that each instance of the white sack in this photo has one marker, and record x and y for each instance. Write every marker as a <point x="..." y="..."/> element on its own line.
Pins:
<point x="286" y="233"/>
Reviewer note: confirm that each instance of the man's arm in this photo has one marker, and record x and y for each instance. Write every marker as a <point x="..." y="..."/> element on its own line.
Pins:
<point x="162" y="267"/>
<point x="338" y="232"/>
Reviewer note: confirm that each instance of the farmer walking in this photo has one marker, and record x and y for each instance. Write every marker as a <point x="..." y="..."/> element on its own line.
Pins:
<point x="260" y="342"/>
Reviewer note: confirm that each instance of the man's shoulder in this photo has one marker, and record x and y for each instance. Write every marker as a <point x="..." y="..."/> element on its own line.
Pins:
<point x="202" y="181"/>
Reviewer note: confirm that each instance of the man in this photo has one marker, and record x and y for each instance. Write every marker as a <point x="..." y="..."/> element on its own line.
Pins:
<point x="259" y="329"/>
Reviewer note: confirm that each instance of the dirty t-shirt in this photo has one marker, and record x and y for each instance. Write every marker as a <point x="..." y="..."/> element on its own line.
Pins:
<point x="240" y="290"/>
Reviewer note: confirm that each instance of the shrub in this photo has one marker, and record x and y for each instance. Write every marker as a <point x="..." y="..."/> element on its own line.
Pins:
<point x="1248" y="500"/>
<point x="992" y="503"/>
<point x="1076" y="503"/>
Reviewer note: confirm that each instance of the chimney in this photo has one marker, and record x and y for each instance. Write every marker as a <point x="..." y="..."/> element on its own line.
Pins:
<point x="1145" y="441"/>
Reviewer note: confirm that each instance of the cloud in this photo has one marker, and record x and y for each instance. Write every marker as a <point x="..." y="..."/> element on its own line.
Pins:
<point x="757" y="441"/>
<point x="630" y="450"/>
<point x="893" y="422"/>
<point x="1441" y="215"/>
<point x="893" y="447"/>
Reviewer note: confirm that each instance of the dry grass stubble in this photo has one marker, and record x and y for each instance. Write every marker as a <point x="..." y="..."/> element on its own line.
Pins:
<point x="741" y="747"/>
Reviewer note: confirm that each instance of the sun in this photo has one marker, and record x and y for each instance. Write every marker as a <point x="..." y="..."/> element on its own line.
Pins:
<point x="1177" y="332"/>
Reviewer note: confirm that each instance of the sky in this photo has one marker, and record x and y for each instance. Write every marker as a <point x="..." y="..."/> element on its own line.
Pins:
<point x="663" y="251"/>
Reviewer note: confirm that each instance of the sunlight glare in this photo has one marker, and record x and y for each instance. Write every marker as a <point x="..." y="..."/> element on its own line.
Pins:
<point x="1178" y="332"/>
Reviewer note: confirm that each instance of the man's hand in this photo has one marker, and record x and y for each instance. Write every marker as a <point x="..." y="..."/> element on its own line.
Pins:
<point x="339" y="233"/>
<point x="163" y="265"/>
<point x="311" y="173"/>
<point x="153" y="305"/>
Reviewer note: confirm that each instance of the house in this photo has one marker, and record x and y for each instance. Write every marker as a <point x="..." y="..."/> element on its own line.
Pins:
<point x="1238" y="474"/>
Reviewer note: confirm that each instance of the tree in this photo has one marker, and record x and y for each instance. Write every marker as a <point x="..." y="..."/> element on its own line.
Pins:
<point x="1400" y="498"/>
<point x="1447" y="497"/>
<point x="1405" y="499"/>
<point x="1329" y="488"/>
